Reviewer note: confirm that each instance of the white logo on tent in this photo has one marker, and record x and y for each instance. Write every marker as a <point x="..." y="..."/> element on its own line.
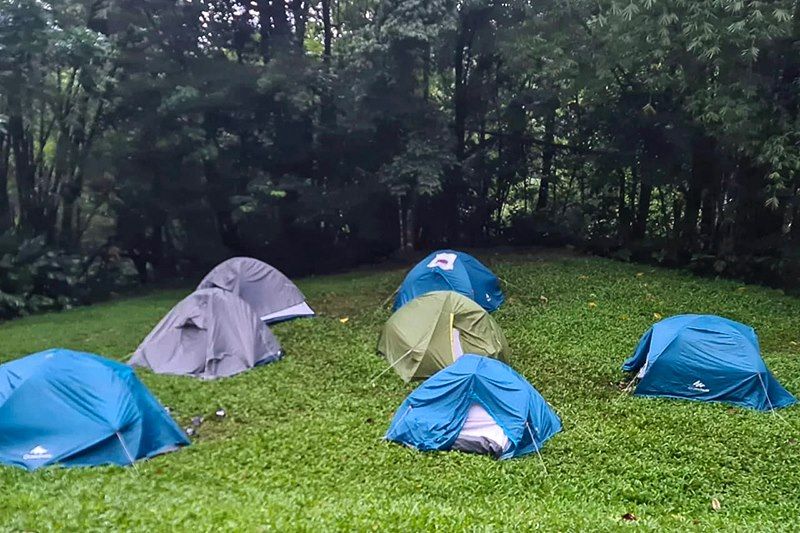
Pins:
<point x="37" y="453"/>
<point x="699" y="386"/>
<point x="488" y="297"/>
<point x="443" y="261"/>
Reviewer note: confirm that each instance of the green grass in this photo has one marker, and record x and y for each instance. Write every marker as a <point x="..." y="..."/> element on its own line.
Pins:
<point x="301" y="449"/>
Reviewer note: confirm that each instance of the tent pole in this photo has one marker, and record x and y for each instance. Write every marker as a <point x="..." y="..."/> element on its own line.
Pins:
<point x="772" y="407"/>
<point x="536" y="447"/>
<point x="508" y="282"/>
<point x="766" y="393"/>
<point x="452" y="351"/>
<point x="127" y="453"/>
<point x="628" y="388"/>
<point x="401" y="419"/>
<point x="395" y="363"/>
<point x="389" y="298"/>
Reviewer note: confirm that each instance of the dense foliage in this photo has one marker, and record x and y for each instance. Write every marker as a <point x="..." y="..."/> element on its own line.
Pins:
<point x="324" y="133"/>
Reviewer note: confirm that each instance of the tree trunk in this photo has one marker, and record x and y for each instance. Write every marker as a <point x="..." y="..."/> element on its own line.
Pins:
<point x="642" y="210"/>
<point x="623" y="213"/>
<point x="461" y="72"/>
<point x="708" y="213"/>
<point x="702" y="168"/>
<point x="264" y="29"/>
<point x="755" y="226"/>
<point x="401" y="223"/>
<point x="407" y="221"/>
<point x="274" y="30"/>
<point x="327" y="32"/>
<point x="217" y="197"/>
<point x="299" y="14"/>
<point x="6" y="218"/>
<point x="410" y="222"/>
<point x="68" y="235"/>
<point x="548" y="153"/>
<point x="25" y="174"/>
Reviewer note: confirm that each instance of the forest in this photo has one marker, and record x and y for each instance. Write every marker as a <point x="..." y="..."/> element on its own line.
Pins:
<point x="144" y="140"/>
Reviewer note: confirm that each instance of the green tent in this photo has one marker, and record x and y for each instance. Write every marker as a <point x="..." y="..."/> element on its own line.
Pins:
<point x="432" y="331"/>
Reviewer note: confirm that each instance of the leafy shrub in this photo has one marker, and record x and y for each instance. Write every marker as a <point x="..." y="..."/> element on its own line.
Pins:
<point x="35" y="277"/>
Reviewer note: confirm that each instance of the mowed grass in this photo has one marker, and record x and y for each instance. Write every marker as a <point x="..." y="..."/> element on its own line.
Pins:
<point x="301" y="446"/>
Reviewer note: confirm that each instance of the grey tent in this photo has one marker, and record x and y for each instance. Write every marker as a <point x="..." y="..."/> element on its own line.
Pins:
<point x="271" y="294"/>
<point x="209" y="334"/>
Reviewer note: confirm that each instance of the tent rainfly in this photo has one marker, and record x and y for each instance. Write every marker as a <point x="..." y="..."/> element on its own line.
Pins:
<point x="271" y="294"/>
<point x="449" y="270"/>
<point x="209" y="334"/>
<point x="706" y="358"/>
<point x="477" y="405"/>
<point x="434" y="330"/>
<point x="79" y="409"/>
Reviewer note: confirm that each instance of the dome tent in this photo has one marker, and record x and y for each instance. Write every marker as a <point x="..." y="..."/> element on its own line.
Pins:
<point x="477" y="405"/>
<point x="273" y="297"/>
<point x="706" y="358"/>
<point x="449" y="270"/>
<point x="209" y="334"/>
<point x="79" y="409"/>
<point x="434" y="330"/>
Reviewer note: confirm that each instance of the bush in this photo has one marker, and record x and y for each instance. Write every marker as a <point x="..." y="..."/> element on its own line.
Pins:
<point x="35" y="277"/>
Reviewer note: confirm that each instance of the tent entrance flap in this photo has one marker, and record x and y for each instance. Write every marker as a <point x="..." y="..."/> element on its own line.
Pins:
<point x="481" y="434"/>
<point x="298" y="310"/>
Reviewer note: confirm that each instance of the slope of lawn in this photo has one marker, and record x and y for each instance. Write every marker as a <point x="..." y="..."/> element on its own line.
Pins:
<point x="300" y="448"/>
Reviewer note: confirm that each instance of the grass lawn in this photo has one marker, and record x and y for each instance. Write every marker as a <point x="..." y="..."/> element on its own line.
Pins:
<point x="301" y="448"/>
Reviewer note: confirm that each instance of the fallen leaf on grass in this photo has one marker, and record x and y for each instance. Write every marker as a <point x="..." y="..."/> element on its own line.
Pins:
<point x="629" y="517"/>
<point x="639" y="274"/>
<point x="657" y="316"/>
<point x="344" y="320"/>
<point x="592" y="305"/>
<point x="715" y="504"/>
<point x="543" y="299"/>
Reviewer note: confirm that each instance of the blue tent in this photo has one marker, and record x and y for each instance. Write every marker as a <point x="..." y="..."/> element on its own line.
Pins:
<point x="78" y="409"/>
<point x="435" y="415"/>
<point x="707" y="358"/>
<point x="449" y="270"/>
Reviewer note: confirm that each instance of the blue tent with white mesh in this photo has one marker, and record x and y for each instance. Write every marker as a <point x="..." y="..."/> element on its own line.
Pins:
<point x="79" y="409"/>
<point x="450" y="270"/>
<point x="705" y="358"/>
<point x="479" y="405"/>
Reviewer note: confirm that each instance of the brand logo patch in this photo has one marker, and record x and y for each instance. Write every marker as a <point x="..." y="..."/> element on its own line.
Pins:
<point x="699" y="386"/>
<point x="444" y="261"/>
<point x="37" y="453"/>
